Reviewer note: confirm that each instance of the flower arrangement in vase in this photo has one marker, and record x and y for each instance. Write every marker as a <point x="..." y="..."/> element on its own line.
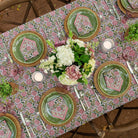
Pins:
<point x="71" y="63"/>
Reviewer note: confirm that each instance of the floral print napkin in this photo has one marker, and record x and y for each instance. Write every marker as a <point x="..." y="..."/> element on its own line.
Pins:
<point x="133" y="3"/>
<point x="83" y="24"/>
<point x="58" y="108"/>
<point x="113" y="79"/>
<point x="28" y="49"/>
<point x="4" y="130"/>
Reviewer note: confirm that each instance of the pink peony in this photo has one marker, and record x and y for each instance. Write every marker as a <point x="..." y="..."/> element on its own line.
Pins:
<point x="73" y="72"/>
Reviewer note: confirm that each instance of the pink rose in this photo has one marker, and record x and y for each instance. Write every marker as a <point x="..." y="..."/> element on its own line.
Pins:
<point x="73" y="72"/>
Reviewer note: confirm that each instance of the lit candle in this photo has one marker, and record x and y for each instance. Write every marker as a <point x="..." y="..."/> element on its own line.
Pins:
<point x="37" y="76"/>
<point x="107" y="45"/>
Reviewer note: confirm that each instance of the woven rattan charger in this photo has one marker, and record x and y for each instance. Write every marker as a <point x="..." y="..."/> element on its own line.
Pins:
<point x="36" y="62"/>
<point x="124" y="10"/>
<point x="16" y="122"/>
<point x="74" y="36"/>
<point x="96" y="78"/>
<point x="62" y="91"/>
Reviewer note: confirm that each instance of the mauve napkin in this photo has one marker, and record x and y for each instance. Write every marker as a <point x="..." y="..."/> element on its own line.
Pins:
<point x="28" y="49"/>
<point x="113" y="79"/>
<point x="58" y="108"/>
<point x="4" y="131"/>
<point x="83" y="24"/>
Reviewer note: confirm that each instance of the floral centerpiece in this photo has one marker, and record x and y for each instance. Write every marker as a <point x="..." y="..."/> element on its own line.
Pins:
<point x="71" y="63"/>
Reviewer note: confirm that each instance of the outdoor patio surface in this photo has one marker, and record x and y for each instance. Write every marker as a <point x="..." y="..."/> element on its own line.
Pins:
<point x="15" y="13"/>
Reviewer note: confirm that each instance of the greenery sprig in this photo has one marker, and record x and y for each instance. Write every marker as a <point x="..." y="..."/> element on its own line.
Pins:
<point x="5" y="89"/>
<point x="133" y="32"/>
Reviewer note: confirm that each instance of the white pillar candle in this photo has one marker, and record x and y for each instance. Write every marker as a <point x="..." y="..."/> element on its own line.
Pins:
<point x="107" y="45"/>
<point x="37" y="76"/>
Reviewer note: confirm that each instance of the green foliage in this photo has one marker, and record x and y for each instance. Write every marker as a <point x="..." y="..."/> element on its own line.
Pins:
<point x="133" y="32"/>
<point x="5" y="89"/>
<point x="70" y="34"/>
<point x="50" y="43"/>
<point x="79" y="54"/>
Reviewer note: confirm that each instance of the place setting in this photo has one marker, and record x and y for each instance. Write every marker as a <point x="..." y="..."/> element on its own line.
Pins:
<point x="28" y="48"/>
<point x="129" y="7"/>
<point x="87" y="78"/>
<point x="9" y="126"/>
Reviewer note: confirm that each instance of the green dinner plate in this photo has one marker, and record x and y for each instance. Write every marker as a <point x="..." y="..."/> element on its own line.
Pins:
<point x="11" y="125"/>
<point x="17" y="43"/>
<point x="127" y="6"/>
<point x="102" y="84"/>
<point x="86" y="12"/>
<point x="47" y="114"/>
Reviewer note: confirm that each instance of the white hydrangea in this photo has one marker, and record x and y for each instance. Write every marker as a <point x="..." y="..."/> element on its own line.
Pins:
<point x="79" y="42"/>
<point x="65" y="55"/>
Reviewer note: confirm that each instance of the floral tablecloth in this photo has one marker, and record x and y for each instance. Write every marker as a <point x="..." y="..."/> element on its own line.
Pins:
<point x="27" y="99"/>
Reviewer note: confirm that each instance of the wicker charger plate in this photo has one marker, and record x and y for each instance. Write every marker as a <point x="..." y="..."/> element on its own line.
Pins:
<point x="113" y="64"/>
<point x="36" y="61"/>
<point x="124" y="10"/>
<point x="82" y="38"/>
<point x="15" y="121"/>
<point x="53" y="94"/>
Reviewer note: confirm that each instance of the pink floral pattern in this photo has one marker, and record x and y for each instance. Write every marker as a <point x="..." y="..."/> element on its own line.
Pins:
<point x="58" y="108"/>
<point x="30" y="92"/>
<point x="4" y="130"/>
<point x="113" y="80"/>
<point x="133" y="3"/>
<point x="83" y="24"/>
<point x="28" y="49"/>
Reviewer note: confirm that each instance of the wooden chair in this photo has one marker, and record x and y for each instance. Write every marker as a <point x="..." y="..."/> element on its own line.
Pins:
<point x="111" y="126"/>
<point x="6" y="4"/>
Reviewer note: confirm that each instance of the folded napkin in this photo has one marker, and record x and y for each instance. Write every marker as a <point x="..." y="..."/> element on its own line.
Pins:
<point x="28" y="49"/>
<point x="83" y="24"/>
<point x="58" y="108"/>
<point x="133" y="3"/>
<point x="113" y="79"/>
<point x="4" y="130"/>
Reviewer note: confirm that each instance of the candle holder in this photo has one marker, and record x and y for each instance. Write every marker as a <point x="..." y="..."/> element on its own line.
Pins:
<point x="37" y="76"/>
<point x="107" y="45"/>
